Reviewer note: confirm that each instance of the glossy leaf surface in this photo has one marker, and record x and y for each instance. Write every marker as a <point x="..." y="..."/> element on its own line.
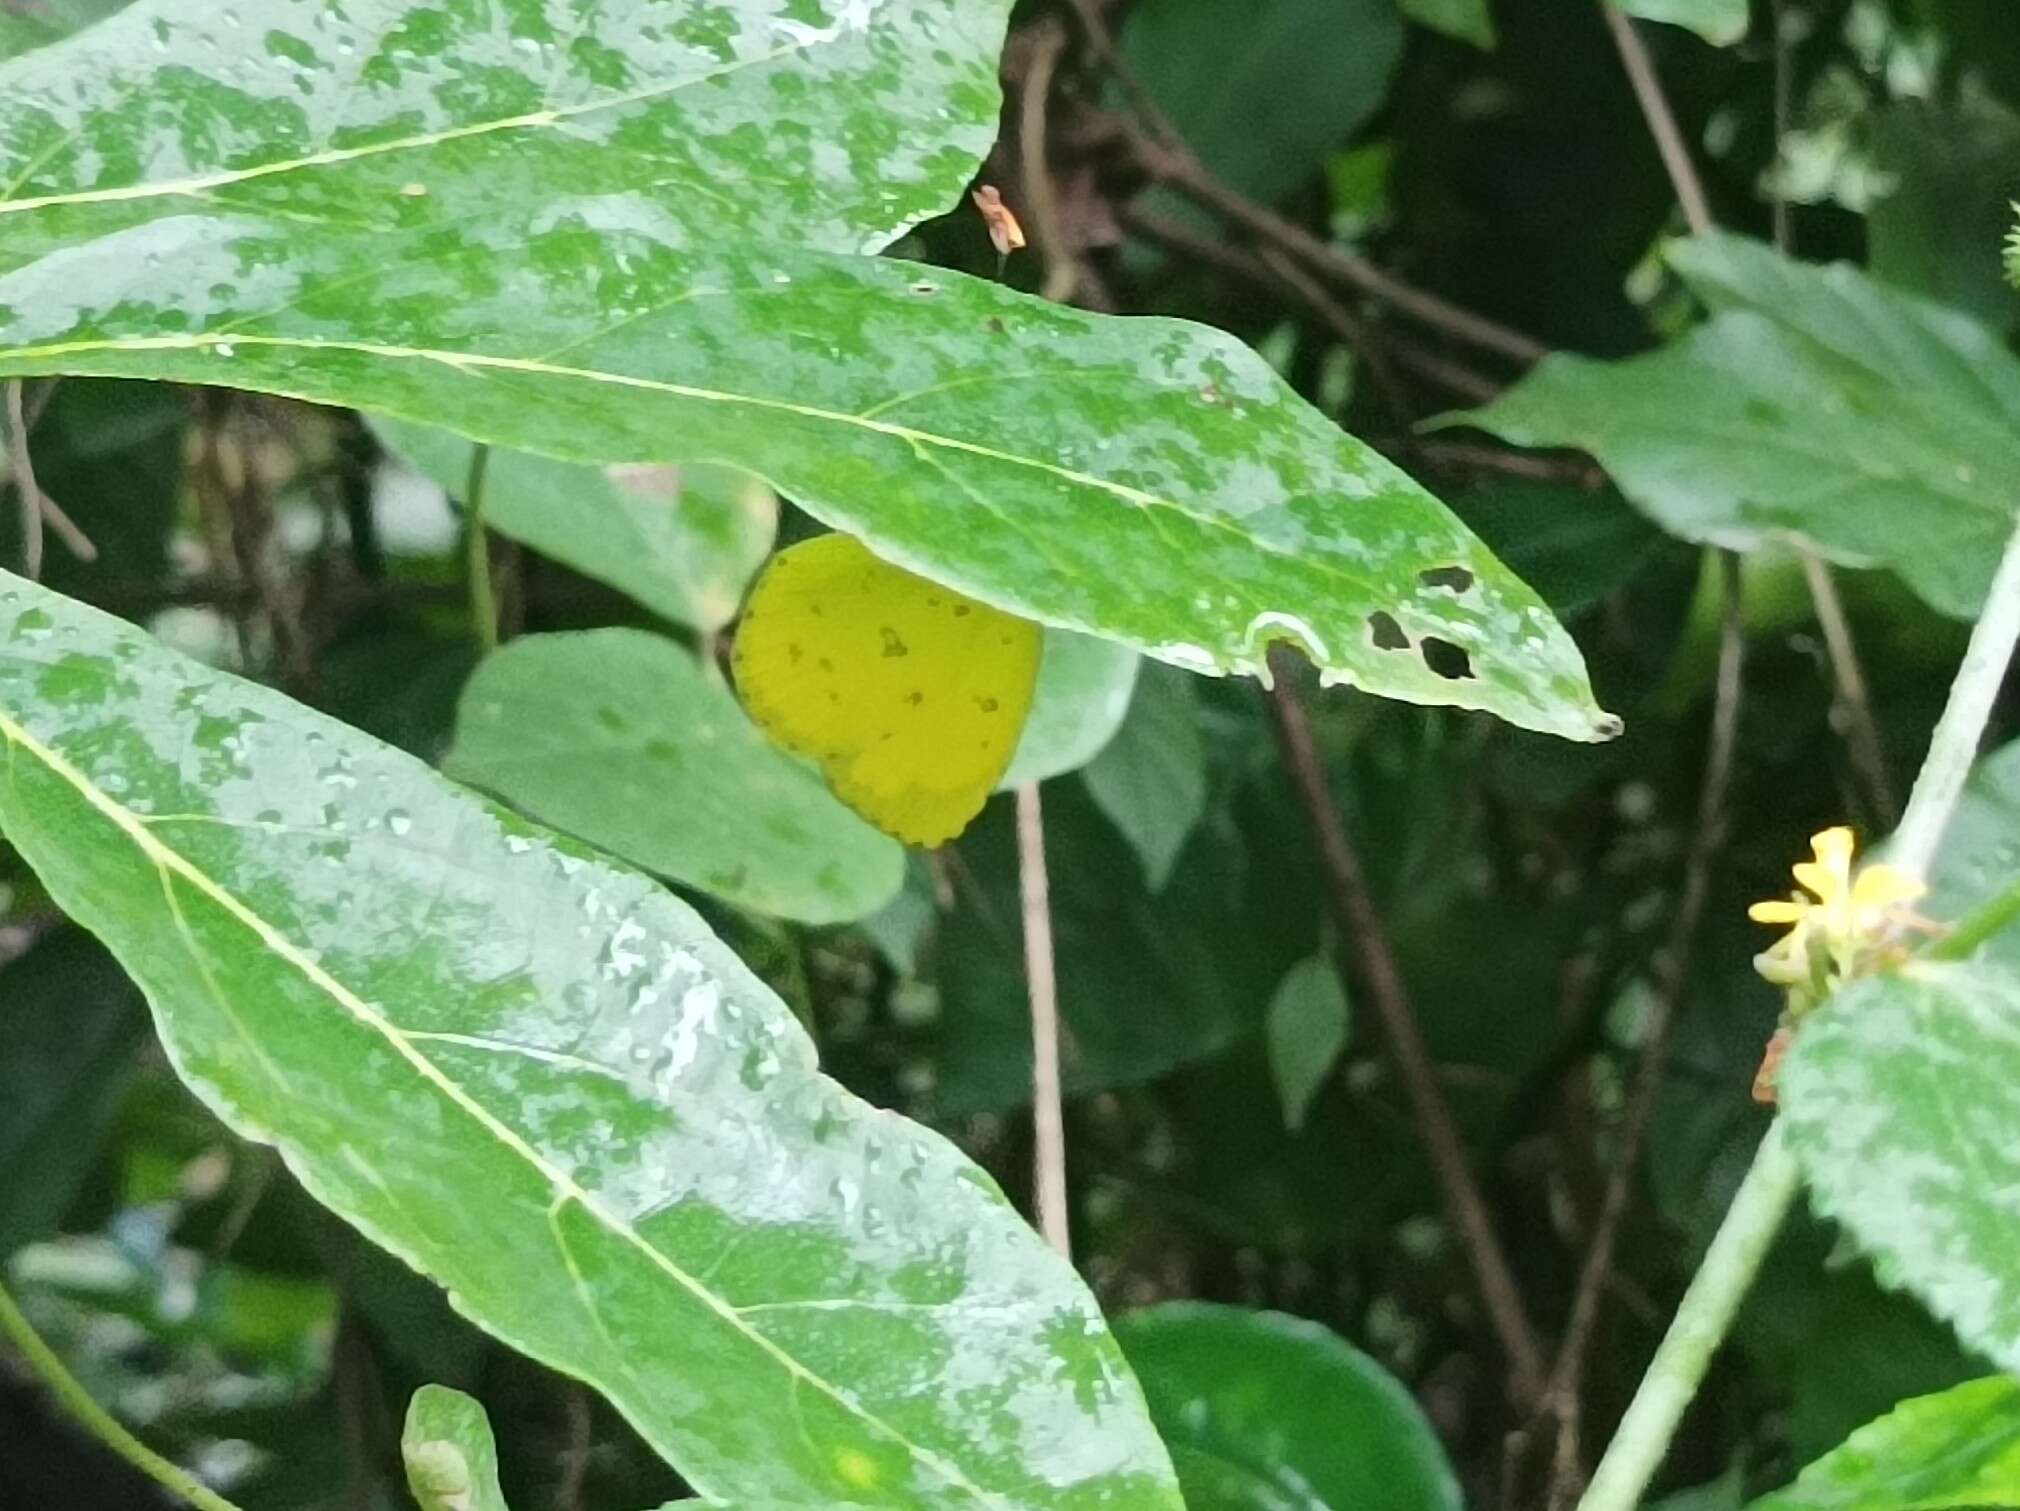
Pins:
<point x="682" y="541"/>
<point x="1902" y="1101"/>
<point x="1817" y="402"/>
<point x="1145" y="480"/>
<point x="451" y="1457"/>
<point x="1935" y="1453"/>
<point x="618" y="737"/>
<point x="843" y="121"/>
<point x="1082" y="695"/>
<point x="1151" y="778"/>
<point x="539" y="1078"/>
<point x="1268" y="1411"/>
<point x="1717" y="21"/>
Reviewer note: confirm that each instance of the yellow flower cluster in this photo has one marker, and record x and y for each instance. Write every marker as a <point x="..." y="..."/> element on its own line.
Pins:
<point x="1847" y="926"/>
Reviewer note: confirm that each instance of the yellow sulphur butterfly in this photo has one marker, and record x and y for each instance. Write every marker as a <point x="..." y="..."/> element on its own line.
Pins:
<point x="910" y="695"/>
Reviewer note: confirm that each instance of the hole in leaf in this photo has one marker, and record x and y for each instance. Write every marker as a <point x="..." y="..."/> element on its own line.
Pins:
<point x="1455" y="578"/>
<point x="1446" y="659"/>
<point x="1388" y="635"/>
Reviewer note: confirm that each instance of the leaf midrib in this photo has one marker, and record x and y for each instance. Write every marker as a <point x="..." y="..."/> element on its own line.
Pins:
<point x="197" y="184"/>
<point x="201" y="341"/>
<point x="169" y="861"/>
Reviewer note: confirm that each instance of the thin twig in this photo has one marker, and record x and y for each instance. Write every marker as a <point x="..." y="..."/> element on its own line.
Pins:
<point x="1048" y="1121"/>
<point x="1347" y="326"/>
<point x="1854" y="702"/>
<point x="1164" y="154"/>
<point x="1182" y="170"/>
<point x="37" y="508"/>
<point x="1360" y="930"/>
<point x="1707" y="839"/>
<point x="477" y="547"/>
<point x="23" y="468"/>
<point x="95" y="1419"/>
<point x="1661" y="120"/>
<point x="1720" y="1284"/>
<point x="1062" y="269"/>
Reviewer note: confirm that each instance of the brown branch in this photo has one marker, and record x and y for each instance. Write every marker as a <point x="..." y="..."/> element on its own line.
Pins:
<point x="1063" y="272"/>
<point x="1047" y="1115"/>
<point x="1567" y="1377"/>
<point x="1183" y="171"/>
<point x="1854" y="711"/>
<point x="1347" y="326"/>
<point x="1360" y="931"/>
<point x="1661" y="120"/>
<point x="1165" y="156"/>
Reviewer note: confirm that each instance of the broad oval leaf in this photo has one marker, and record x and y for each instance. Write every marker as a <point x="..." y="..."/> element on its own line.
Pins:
<point x="450" y="1455"/>
<point x="682" y="541"/>
<point x="1816" y="402"/>
<point x="832" y="123"/>
<point x="1150" y="481"/>
<point x="540" y="1079"/>
<point x="618" y="737"/>
<point x="1958" y="1450"/>
<point x="1902" y="1101"/>
<point x="1265" y="1411"/>
<point x="546" y="244"/>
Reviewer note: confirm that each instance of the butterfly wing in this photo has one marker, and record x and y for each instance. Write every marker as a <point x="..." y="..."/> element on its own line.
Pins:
<point x="910" y="695"/>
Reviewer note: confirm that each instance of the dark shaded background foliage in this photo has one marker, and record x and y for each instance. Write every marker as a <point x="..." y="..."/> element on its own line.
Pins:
<point x="1528" y="883"/>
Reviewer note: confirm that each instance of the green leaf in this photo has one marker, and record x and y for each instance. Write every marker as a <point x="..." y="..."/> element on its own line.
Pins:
<point x="1306" y="1030"/>
<point x="1264" y="94"/>
<point x="618" y="737"/>
<point x="1954" y="1450"/>
<point x="683" y="541"/>
<point x="451" y="1457"/>
<point x="1720" y="22"/>
<point x="1902" y="1101"/>
<point x="539" y="1079"/>
<point x="1150" y="780"/>
<point x="1268" y="1411"/>
<point x="1817" y="402"/>
<point x="1468" y="20"/>
<point x="1148" y="481"/>
<point x="827" y="123"/>
<point x="1080" y="700"/>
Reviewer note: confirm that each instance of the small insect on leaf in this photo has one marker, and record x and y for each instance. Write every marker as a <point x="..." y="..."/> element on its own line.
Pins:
<point x="1005" y="234"/>
<point x="909" y="694"/>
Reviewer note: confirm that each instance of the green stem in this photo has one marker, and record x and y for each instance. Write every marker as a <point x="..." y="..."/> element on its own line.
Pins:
<point x="95" y="1418"/>
<point x="483" y="601"/>
<point x="1716" y="1291"/>
<point x="1987" y="919"/>
<point x="1954" y="745"/>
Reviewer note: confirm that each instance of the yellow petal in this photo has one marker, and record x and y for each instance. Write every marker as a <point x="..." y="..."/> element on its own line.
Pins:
<point x="1833" y="848"/>
<point x="1884" y="886"/>
<point x="1777" y="911"/>
<point x="1826" y="881"/>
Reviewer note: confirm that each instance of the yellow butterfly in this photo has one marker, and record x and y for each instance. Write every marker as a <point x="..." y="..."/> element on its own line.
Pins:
<point x="910" y="695"/>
